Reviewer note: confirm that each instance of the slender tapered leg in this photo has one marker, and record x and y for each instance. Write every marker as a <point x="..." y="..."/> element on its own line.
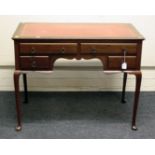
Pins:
<point x="124" y="88"/>
<point x="17" y="96"/>
<point x="25" y="88"/>
<point x="138" y="76"/>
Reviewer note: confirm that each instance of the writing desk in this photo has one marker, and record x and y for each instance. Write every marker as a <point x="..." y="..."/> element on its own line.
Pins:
<point x="38" y="45"/>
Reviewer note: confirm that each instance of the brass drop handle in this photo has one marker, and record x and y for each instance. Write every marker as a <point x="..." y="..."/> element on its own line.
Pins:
<point x="33" y="51"/>
<point x="93" y="50"/>
<point x="63" y="50"/>
<point x="34" y="64"/>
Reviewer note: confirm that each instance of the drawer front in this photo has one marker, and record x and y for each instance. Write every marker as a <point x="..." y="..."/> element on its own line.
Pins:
<point x="115" y="62"/>
<point x="109" y="48"/>
<point x="47" y="48"/>
<point x="34" y="63"/>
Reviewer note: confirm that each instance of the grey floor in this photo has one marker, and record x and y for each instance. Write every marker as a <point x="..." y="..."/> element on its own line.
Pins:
<point x="61" y="115"/>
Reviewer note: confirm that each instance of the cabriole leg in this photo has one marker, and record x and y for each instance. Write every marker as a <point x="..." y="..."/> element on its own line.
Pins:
<point x="138" y="76"/>
<point x="17" y="97"/>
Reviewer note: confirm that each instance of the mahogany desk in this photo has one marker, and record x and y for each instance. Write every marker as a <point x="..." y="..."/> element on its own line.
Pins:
<point x="39" y="45"/>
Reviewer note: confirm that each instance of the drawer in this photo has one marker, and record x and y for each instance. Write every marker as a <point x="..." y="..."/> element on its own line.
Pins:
<point x="47" y="48"/>
<point x="115" y="62"/>
<point x="109" y="48"/>
<point x="34" y="63"/>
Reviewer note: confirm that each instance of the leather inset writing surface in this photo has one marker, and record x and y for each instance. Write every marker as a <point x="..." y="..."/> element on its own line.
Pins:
<point x="79" y="31"/>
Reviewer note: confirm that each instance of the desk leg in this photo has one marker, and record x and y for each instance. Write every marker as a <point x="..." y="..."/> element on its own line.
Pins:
<point x="136" y="98"/>
<point x="124" y="87"/>
<point x="25" y="88"/>
<point x="17" y="96"/>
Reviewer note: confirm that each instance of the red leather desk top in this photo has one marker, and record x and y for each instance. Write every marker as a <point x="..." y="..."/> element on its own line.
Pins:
<point x="76" y="31"/>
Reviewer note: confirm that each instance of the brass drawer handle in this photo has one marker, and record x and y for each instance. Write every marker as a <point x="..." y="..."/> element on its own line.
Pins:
<point x="34" y="64"/>
<point x="93" y="50"/>
<point x="33" y="51"/>
<point x="63" y="50"/>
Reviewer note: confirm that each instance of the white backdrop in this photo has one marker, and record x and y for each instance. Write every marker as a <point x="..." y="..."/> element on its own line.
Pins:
<point x="8" y="24"/>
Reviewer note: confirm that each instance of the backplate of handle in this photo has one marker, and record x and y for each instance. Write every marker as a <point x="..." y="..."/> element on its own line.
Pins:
<point x="33" y="51"/>
<point x="34" y="64"/>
